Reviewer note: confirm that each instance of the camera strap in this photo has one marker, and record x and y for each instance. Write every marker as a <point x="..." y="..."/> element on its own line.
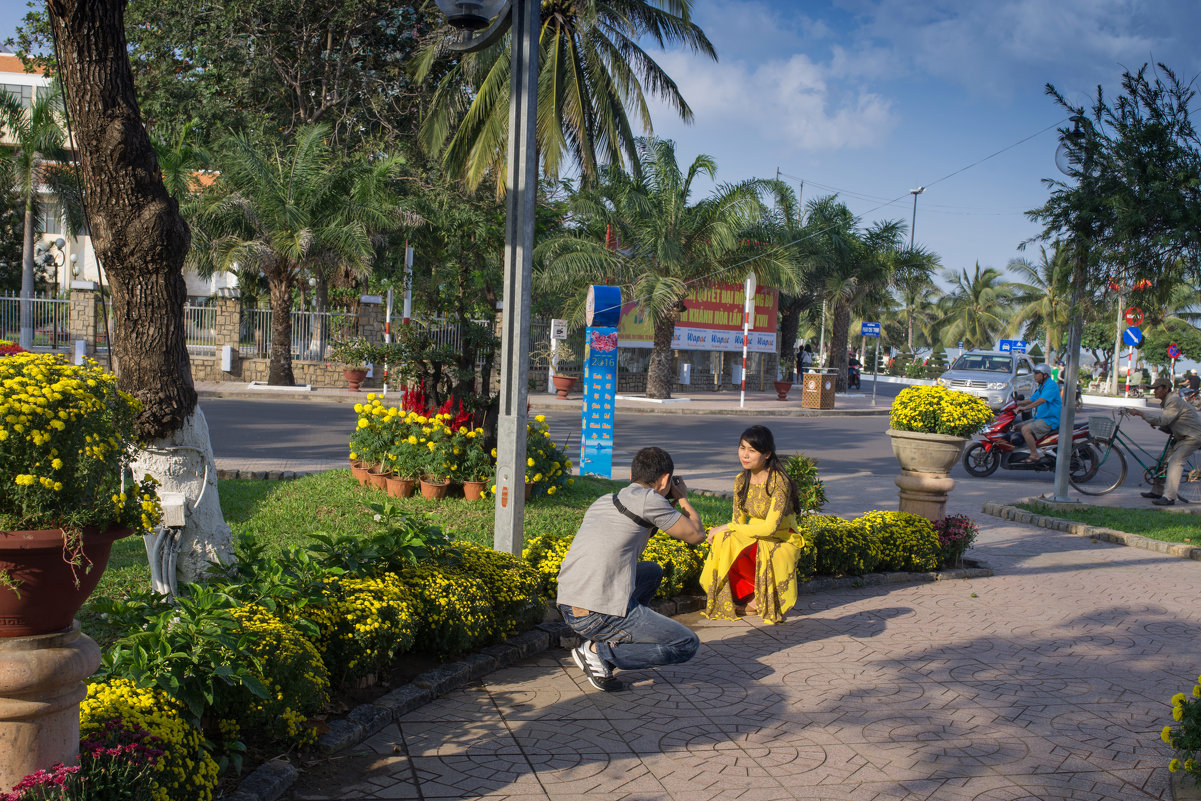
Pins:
<point x="641" y="521"/>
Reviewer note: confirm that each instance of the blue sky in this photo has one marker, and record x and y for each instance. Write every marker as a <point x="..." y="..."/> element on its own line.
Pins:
<point x="871" y="98"/>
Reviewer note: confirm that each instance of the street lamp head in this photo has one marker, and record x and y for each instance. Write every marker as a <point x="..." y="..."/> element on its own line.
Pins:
<point x="470" y="15"/>
<point x="60" y="243"/>
<point x="917" y="191"/>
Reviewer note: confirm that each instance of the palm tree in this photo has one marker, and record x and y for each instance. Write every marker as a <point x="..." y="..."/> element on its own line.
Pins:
<point x="39" y="158"/>
<point x="973" y="311"/>
<point x="913" y="283"/>
<point x="854" y="266"/>
<point x="290" y="210"/>
<point x="592" y="74"/>
<point x="1044" y="300"/>
<point x="666" y="246"/>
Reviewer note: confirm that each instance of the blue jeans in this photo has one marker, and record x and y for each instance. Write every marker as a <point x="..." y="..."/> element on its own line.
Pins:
<point x="641" y="638"/>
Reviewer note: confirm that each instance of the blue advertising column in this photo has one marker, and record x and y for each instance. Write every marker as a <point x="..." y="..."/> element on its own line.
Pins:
<point x="602" y="314"/>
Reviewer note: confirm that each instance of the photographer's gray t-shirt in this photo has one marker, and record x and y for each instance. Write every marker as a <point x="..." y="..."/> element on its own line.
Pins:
<point x="598" y="572"/>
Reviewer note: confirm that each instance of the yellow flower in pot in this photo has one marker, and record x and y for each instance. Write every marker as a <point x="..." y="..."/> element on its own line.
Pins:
<point x="66" y="490"/>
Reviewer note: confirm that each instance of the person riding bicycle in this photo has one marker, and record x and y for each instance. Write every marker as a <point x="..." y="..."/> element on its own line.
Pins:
<point x="1047" y="403"/>
<point x="1183" y="424"/>
<point x="1192" y="381"/>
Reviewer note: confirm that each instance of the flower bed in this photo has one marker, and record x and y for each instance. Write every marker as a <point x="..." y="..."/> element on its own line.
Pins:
<point x="1185" y="736"/>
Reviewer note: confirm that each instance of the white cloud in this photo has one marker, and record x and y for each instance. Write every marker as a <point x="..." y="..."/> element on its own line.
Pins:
<point x="793" y="100"/>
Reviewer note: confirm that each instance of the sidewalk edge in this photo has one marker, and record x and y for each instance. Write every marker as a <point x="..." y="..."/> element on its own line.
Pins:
<point x="1110" y="535"/>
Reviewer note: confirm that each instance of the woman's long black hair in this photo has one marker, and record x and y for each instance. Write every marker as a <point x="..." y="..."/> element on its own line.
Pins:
<point x="760" y="438"/>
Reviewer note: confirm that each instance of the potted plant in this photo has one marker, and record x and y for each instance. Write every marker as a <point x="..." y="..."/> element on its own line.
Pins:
<point x="435" y="481"/>
<point x="407" y="459"/>
<point x="66" y="493"/>
<point x="563" y="383"/>
<point x="474" y="468"/>
<point x="353" y="354"/>
<point x="782" y="388"/>
<point x="929" y="426"/>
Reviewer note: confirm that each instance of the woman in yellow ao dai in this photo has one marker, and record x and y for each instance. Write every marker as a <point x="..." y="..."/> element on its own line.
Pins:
<point x="752" y="560"/>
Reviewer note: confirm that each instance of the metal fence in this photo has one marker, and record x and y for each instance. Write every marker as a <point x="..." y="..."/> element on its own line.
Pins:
<point x="312" y="332"/>
<point x="50" y="317"/>
<point x="200" y="328"/>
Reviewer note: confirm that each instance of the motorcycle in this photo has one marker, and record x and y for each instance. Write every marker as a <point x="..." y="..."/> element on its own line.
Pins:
<point x="1002" y="446"/>
<point x="852" y="376"/>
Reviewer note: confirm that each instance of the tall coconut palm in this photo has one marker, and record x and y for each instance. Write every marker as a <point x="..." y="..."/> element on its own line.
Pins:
<point x="1043" y="300"/>
<point x="974" y="310"/>
<point x="591" y="79"/>
<point x="39" y="158"/>
<point x="667" y="246"/>
<point x="289" y="209"/>
<point x="914" y="285"/>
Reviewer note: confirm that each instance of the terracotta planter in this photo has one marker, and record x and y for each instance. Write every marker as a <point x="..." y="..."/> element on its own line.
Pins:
<point x="47" y="599"/>
<point x="354" y="377"/>
<point x="400" y="487"/>
<point x="529" y="489"/>
<point x="782" y="388"/>
<point x="434" y="490"/>
<point x="378" y="478"/>
<point x="474" y="490"/>
<point x="926" y="453"/>
<point x="563" y="384"/>
<point x="359" y="471"/>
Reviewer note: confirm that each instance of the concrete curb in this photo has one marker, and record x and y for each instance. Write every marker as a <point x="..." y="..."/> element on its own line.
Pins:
<point x="1007" y="512"/>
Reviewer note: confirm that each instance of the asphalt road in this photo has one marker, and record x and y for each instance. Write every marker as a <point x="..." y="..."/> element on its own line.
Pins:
<point x="853" y="453"/>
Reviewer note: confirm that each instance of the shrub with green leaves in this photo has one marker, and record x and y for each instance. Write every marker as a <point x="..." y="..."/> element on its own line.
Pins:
<point x="680" y="561"/>
<point x="546" y="553"/>
<point x="843" y="548"/>
<point x="811" y="493"/>
<point x="906" y="542"/>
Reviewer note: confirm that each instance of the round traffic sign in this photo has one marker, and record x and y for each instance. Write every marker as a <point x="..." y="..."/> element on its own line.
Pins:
<point x="1134" y="316"/>
<point x="1173" y="351"/>
<point x="1132" y="336"/>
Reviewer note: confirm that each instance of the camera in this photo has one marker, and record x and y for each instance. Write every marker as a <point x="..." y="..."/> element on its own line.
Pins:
<point x="676" y="480"/>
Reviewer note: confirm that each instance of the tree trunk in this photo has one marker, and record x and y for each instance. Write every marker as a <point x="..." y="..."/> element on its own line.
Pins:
<point x="790" y="321"/>
<point x="838" y="344"/>
<point x="141" y="239"/>
<point x="658" y="374"/>
<point x="27" y="283"/>
<point x="279" y="371"/>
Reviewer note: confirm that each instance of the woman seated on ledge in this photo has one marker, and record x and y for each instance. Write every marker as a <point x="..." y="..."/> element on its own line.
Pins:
<point x="752" y="560"/>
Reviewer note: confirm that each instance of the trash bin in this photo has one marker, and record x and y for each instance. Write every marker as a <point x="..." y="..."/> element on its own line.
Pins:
<point x="818" y="391"/>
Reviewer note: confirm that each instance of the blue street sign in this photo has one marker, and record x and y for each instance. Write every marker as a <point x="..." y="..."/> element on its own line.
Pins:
<point x="1013" y="345"/>
<point x="1132" y="336"/>
<point x="1173" y="351"/>
<point x="870" y="330"/>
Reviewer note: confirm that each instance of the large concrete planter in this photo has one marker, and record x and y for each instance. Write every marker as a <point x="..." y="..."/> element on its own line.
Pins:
<point x="925" y="461"/>
<point x="1185" y="787"/>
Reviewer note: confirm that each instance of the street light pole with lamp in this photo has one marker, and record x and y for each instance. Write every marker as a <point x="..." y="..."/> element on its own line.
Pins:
<point x="53" y="256"/>
<point x="913" y="223"/>
<point x="493" y="18"/>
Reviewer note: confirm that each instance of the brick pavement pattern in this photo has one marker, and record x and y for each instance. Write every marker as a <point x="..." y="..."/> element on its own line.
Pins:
<point x="1049" y="680"/>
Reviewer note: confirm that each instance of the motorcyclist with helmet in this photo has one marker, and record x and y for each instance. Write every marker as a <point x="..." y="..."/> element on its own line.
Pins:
<point x="1046" y="405"/>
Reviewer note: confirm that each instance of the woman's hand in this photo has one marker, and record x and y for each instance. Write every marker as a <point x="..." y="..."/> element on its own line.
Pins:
<point x="713" y="532"/>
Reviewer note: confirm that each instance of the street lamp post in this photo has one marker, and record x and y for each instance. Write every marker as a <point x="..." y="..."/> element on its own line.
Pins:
<point x="524" y="18"/>
<point x="913" y="223"/>
<point x="53" y="256"/>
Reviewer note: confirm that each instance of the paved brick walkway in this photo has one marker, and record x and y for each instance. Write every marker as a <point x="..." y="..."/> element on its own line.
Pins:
<point x="1049" y="680"/>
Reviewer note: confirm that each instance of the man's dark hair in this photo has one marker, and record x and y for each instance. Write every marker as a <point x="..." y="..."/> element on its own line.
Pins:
<point x="649" y="464"/>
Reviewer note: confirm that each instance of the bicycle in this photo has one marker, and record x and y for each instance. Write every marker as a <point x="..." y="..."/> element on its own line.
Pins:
<point x="1109" y="446"/>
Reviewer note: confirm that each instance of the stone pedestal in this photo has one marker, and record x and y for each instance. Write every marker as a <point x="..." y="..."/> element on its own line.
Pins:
<point x="41" y="685"/>
<point x="924" y="494"/>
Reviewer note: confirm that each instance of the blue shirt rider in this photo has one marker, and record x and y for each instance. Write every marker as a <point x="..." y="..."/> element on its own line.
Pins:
<point x="1046" y="403"/>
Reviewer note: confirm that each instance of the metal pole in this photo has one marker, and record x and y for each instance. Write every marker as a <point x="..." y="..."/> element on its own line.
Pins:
<point x="876" y="371"/>
<point x="913" y="223"/>
<point x="408" y="301"/>
<point x="1117" y="348"/>
<point x="821" y="343"/>
<point x="521" y="187"/>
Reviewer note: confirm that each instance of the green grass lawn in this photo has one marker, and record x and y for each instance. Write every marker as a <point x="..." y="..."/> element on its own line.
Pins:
<point x="283" y="515"/>
<point x="1154" y="524"/>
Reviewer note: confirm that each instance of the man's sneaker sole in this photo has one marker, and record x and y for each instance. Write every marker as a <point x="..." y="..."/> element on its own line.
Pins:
<point x="606" y="684"/>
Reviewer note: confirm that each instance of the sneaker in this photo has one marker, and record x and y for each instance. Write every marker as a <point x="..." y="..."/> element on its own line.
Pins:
<point x="599" y="674"/>
<point x="1163" y="502"/>
<point x="1151" y="495"/>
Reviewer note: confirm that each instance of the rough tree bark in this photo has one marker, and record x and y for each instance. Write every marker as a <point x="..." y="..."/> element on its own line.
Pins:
<point x="141" y="239"/>
<point x="838" y="344"/>
<point x="659" y="378"/>
<point x="279" y="369"/>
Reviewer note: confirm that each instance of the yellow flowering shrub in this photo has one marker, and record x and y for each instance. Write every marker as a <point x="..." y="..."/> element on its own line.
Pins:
<point x="66" y="436"/>
<point x="904" y="541"/>
<point x="511" y="583"/>
<point x="454" y="612"/>
<point x="938" y="410"/>
<point x="546" y="553"/>
<point x="413" y="445"/>
<point x="293" y="674"/>
<point x="1185" y="736"/>
<point x="185" y="770"/>
<point x="363" y="623"/>
<point x="680" y="561"/>
<point x="842" y="548"/>
<point x="547" y="466"/>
